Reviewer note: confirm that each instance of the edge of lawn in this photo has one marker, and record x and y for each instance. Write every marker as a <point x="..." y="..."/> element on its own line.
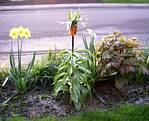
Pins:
<point x="122" y="113"/>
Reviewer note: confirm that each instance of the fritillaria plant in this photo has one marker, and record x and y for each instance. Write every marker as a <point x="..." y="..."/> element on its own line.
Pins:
<point x="73" y="74"/>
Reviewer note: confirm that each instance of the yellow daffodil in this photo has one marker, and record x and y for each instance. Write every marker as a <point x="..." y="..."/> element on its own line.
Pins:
<point x="21" y="32"/>
<point x="14" y="33"/>
<point x="27" y="33"/>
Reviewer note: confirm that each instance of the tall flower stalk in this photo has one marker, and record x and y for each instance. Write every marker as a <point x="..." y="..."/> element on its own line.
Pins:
<point x="74" y="18"/>
<point x="73" y="74"/>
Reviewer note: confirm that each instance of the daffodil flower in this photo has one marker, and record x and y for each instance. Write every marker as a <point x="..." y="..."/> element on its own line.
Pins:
<point x="14" y="33"/>
<point x="27" y="33"/>
<point x="21" y="32"/>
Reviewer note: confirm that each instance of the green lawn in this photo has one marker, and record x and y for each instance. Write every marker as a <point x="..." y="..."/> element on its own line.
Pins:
<point x="126" y="1"/>
<point x="124" y="113"/>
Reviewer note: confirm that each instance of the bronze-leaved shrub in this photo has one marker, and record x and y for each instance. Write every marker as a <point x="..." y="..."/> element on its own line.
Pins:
<point x="118" y="57"/>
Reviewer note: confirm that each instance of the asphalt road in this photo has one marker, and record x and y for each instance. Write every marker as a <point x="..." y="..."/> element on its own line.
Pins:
<point x="47" y="32"/>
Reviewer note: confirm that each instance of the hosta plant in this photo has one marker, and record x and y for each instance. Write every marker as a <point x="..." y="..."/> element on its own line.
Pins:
<point x="118" y="57"/>
<point x="19" y="75"/>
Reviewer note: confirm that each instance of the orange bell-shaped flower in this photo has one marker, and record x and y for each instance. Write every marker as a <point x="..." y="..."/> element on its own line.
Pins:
<point x="73" y="30"/>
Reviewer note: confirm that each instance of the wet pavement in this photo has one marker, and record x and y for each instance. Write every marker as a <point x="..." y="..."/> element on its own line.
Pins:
<point x="47" y="32"/>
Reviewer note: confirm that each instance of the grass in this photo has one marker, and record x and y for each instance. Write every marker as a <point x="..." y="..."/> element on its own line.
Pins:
<point x="124" y="113"/>
<point x="126" y="1"/>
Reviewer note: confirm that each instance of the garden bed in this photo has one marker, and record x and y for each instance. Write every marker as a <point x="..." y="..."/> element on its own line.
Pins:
<point x="40" y="102"/>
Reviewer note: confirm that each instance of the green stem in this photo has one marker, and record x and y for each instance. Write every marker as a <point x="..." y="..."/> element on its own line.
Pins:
<point x="19" y="58"/>
<point x="72" y="43"/>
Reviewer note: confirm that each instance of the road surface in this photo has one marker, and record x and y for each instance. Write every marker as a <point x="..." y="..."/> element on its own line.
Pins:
<point x="47" y="32"/>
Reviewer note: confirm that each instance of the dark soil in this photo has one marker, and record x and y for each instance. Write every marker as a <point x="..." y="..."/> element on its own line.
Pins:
<point x="40" y="102"/>
<point x="107" y="91"/>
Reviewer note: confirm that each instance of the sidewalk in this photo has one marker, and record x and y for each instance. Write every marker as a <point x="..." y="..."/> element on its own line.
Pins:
<point x="81" y="5"/>
<point x="41" y="47"/>
<point x="38" y="2"/>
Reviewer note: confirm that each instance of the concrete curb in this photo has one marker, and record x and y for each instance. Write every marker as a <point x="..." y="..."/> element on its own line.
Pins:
<point x="59" y="6"/>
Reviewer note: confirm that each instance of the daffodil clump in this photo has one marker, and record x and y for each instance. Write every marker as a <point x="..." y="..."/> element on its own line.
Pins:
<point x="21" y="32"/>
<point x="18" y="76"/>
